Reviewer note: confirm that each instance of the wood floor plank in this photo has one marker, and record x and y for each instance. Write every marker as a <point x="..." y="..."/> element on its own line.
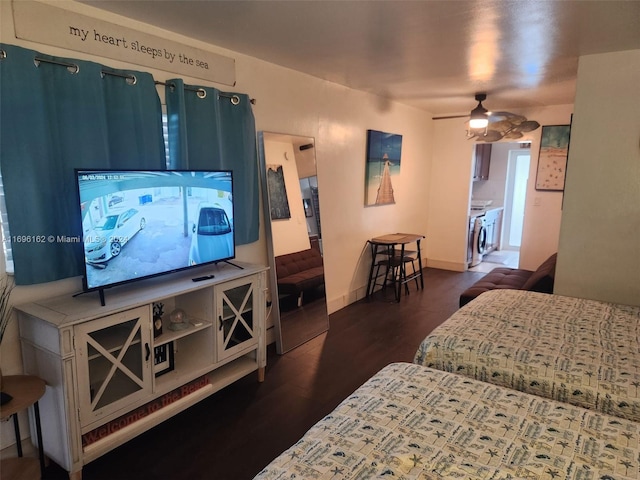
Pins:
<point x="234" y="433"/>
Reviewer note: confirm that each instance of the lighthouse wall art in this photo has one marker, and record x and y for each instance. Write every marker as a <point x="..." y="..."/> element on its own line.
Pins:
<point x="383" y="164"/>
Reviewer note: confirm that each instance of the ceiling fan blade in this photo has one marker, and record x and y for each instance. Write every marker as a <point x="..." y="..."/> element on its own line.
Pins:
<point x="503" y="114"/>
<point x="488" y="136"/>
<point x="513" y="135"/>
<point x="528" y="126"/>
<point x="451" y="116"/>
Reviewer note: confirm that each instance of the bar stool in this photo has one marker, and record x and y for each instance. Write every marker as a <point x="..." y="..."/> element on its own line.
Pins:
<point x="399" y="268"/>
<point x="389" y="263"/>
<point x="379" y="261"/>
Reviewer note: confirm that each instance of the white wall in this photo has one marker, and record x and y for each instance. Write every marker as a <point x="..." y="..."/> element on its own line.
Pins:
<point x="543" y="209"/>
<point x="290" y="234"/>
<point x="451" y="186"/>
<point x="494" y="187"/>
<point x="306" y="162"/>
<point x="293" y="103"/>
<point x="449" y="194"/>
<point x="599" y="254"/>
<point x="433" y="190"/>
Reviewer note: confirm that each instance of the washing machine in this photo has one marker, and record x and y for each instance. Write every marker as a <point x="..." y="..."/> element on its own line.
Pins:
<point x="479" y="242"/>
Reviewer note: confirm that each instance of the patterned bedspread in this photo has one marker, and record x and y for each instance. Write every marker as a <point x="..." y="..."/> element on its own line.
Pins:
<point x="582" y="352"/>
<point x="412" y="422"/>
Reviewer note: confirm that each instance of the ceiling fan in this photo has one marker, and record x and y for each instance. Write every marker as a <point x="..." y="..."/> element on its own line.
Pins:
<point x="487" y="126"/>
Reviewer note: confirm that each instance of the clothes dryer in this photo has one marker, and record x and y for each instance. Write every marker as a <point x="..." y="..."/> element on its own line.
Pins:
<point x="479" y="244"/>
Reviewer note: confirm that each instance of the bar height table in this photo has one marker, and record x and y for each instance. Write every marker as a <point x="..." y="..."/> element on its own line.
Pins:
<point x="396" y="258"/>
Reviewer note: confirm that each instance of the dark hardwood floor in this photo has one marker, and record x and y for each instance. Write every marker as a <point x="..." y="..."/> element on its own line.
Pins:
<point x="234" y="433"/>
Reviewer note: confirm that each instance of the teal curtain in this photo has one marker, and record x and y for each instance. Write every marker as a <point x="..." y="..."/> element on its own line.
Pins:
<point x="54" y="119"/>
<point x="210" y="129"/>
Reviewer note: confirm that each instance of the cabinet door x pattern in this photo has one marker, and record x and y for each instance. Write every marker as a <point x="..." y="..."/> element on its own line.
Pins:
<point x="112" y="379"/>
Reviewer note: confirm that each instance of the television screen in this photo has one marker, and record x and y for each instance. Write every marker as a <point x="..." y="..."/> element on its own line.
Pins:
<point x="139" y="224"/>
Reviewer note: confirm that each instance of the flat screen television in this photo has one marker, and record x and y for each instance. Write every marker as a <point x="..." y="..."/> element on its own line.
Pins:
<point x="138" y="224"/>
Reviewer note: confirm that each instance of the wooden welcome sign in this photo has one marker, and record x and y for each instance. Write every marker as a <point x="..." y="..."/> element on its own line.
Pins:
<point x="143" y="411"/>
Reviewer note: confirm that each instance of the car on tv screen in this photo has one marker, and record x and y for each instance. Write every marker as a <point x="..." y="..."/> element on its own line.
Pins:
<point x="212" y="236"/>
<point x="111" y="234"/>
<point x="142" y="223"/>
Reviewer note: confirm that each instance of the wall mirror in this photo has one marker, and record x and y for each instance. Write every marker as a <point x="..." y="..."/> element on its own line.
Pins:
<point x="292" y="225"/>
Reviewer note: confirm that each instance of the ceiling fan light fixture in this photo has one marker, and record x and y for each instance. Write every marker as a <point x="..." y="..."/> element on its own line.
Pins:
<point x="479" y="117"/>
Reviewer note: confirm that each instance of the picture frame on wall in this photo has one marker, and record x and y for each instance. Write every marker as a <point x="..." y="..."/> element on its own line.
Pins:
<point x="552" y="160"/>
<point x="278" y="201"/>
<point x="308" y="211"/>
<point x="384" y="151"/>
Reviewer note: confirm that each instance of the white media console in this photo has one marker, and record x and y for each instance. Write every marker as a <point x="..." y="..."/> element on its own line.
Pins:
<point x="109" y="379"/>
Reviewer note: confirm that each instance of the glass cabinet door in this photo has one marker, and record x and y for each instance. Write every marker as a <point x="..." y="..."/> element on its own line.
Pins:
<point x="236" y="323"/>
<point x="113" y="363"/>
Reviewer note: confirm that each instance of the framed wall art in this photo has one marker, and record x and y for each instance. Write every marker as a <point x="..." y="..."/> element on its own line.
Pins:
<point x="277" y="193"/>
<point x="552" y="161"/>
<point x="308" y="210"/>
<point x="382" y="164"/>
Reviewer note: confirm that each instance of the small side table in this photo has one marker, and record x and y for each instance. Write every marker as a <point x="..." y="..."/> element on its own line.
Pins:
<point x="396" y="260"/>
<point x="26" y="390"/>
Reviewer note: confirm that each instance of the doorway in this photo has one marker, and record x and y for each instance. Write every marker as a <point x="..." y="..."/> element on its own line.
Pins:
<point x="515" y="197"/>
<point x="506" y="187"/>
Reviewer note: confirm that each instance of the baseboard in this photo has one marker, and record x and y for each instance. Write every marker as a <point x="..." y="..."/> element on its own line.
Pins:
<point x="338" y="303"/>
<point x="11" y="451"/>
<point x="445" y="265"/>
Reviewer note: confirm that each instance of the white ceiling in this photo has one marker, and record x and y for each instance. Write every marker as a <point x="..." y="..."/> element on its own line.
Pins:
<point x="434" y="55"/>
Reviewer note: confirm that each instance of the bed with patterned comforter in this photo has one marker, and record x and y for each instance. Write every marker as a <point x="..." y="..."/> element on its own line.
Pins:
<point x="413" y="422"/>
<point x="582" y="352"/>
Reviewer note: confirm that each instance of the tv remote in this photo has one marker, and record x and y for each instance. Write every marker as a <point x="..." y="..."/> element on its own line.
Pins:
<point x="204" y="277"/>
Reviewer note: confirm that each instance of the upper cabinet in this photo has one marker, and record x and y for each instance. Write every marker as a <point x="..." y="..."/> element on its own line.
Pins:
<point x="482" y="161"/>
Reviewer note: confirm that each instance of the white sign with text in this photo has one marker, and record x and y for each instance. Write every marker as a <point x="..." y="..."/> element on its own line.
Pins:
<point x="42" y="23"/>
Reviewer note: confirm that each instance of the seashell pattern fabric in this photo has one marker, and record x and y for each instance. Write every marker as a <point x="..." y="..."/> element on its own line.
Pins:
<point x="578" y="351"/>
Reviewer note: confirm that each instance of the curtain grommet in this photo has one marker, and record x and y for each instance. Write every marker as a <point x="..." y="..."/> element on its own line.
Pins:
<point x="235" y="100"/>
<point x="72" y="68"/>
<point x="3" y="54"/>
<point x="201" y="93"/>
<point x="131" y="80"/>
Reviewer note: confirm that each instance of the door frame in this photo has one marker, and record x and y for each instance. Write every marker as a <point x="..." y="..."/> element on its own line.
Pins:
<point x="509" y="195"/>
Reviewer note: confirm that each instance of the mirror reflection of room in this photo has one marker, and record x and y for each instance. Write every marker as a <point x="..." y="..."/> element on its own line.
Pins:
<point x="297" y="237"/>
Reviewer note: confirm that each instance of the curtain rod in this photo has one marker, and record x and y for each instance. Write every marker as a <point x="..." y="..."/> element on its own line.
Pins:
<point x="75" y="68"/>
<point x="202" y="93"/>
<point x="131" y="79"/>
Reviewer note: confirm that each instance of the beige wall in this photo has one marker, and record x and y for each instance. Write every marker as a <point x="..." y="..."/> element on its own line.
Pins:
<point x="449" y="195"/>
<point x="543" y="210"/>
<point x="494" y="187"/>
<point x="289" y="235"/>
<point x="450" y="190"/>
<point x="292" y="103"/>
<point x="599" y="254"/>
<point x="433" y="189"/>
